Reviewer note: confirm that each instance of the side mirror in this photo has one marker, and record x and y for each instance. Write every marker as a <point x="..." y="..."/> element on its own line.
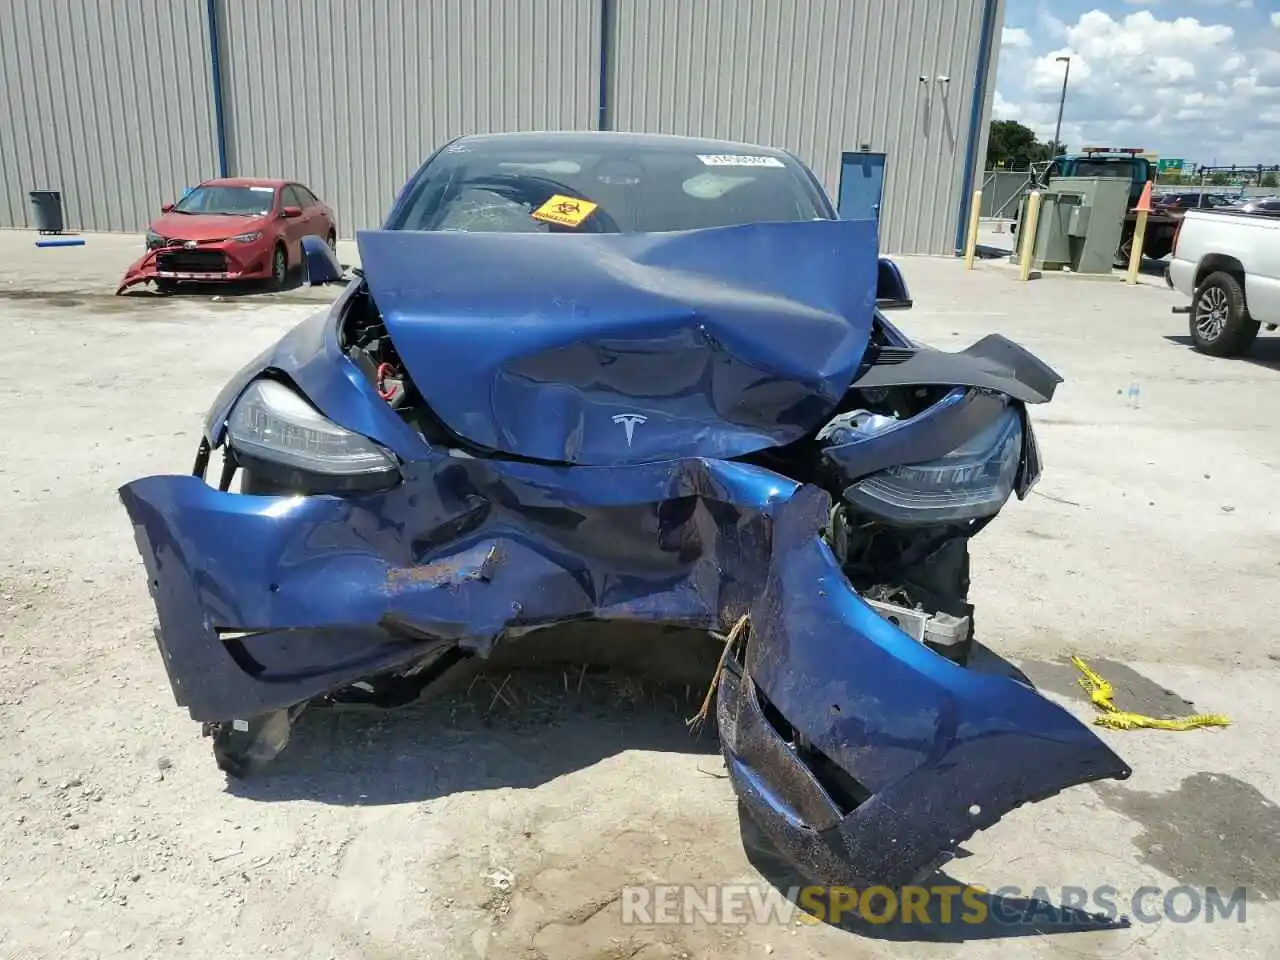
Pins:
<point x="319" y="264"/>
<point x="891" y="287"/>
<point x="291" y="213"/>
<point x="166" y="207"/>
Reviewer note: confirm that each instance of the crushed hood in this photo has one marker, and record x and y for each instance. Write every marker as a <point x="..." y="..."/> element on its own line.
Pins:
<point x="613" y="348"/>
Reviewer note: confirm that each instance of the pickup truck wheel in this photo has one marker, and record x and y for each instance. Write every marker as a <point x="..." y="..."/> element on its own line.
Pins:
<point x="1220" y="323"/>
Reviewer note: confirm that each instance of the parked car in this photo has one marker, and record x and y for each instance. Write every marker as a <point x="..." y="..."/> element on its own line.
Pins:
<point x="240" y="228"/>
<point x="627" y="379"/>
<point x="1263" y="206"/>
<point x="1228" y="264"/>
<point x="1192" y="201"/>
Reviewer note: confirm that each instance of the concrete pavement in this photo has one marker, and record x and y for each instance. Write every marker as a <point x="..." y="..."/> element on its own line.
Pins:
<point x="1151" y="548"/>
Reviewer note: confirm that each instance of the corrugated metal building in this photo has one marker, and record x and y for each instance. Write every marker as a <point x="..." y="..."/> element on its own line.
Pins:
<point x="120" y="104"/>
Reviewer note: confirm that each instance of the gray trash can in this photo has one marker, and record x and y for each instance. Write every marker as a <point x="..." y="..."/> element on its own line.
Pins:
<point x="48" y="207"/>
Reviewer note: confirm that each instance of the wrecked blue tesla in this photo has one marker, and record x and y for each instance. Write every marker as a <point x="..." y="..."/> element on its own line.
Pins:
<point x="613" y="378"/>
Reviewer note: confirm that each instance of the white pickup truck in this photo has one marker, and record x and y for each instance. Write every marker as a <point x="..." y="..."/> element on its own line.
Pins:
<point x="1228" y="265"/>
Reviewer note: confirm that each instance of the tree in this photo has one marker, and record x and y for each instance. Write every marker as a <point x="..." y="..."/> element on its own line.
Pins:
<point x="1219" y="179"/>
<point x="1268" y="180"/>
<point x="1010" y="142"/>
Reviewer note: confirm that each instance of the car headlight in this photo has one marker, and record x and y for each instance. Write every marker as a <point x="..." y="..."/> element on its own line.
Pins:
<point x="154" y="240"/>
<point x="276" y="426"/>
<point x="247" y="237"/>
<point x="972" y="481"/>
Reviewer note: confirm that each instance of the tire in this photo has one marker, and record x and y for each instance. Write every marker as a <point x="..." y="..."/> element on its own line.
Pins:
<point x="1157" y="249"/>
<point x="1220" y="324"/>
<point x="279" y="267"/>
<point x="332" y="241"/>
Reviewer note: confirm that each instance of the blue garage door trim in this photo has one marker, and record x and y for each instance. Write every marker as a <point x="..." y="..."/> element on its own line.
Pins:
<point x="981" y="78"/>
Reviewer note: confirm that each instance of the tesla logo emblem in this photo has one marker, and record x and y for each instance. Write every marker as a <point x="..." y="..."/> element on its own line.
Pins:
<point x="190" y="244"/>
<point x="629" y="421"/>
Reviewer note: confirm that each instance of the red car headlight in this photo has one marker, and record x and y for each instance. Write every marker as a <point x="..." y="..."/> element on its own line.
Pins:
<point x="247" y="237"/>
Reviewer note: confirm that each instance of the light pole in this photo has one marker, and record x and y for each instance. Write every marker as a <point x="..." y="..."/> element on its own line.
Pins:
<point x="1061" y="103"/>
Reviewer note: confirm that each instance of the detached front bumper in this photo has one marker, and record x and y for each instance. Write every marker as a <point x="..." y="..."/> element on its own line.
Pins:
<point x="205" y="263"/>
<point x="866" y="756"/>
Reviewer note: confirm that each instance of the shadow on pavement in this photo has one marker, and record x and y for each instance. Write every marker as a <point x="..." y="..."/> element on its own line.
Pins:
<point x="519" y="721"/>
<point x="972" y="915"/>
<point x="1265" y="351"/>
<point x="223" y="288"/>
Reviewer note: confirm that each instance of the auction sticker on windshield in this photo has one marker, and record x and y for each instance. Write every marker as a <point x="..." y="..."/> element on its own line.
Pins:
<point x="566" y="211"/>
<point x="737" y="160"/>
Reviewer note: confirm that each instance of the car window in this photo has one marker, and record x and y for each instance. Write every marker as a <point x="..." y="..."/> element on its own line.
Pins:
<point x="306" y="196"/>
<point x="292" y="199"/>
<point x="500" y="186"/>
<point x="232" y="201"/>
<point x="1104" y="168"/>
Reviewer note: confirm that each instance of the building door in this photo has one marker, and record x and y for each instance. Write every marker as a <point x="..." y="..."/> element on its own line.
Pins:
<point x="861" y="186"/>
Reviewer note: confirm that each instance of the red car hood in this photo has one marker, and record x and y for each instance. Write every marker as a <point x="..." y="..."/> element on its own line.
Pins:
<point x="204" y="226"/>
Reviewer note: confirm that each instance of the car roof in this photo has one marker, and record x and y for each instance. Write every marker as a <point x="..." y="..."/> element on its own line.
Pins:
<point x="586" y="139"/>
<point x="245" y="182"/>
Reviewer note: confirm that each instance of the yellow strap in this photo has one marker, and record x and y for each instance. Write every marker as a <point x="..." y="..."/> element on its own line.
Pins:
<point x="1101" y="693"/>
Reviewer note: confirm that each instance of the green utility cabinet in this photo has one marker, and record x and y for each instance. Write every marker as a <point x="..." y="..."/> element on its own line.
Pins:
<point x="1081" y="222"/>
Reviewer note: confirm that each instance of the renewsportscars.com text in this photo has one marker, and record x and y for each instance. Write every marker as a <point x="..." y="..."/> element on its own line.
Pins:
<point x="947" y="904"/>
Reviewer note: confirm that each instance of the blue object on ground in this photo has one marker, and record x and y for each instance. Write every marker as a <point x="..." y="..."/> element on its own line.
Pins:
<point x="61" y="242"/>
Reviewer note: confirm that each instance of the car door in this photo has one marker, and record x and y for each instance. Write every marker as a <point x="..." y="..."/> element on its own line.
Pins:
<point x="295" y="228"/>
<point x="319" y="221"/>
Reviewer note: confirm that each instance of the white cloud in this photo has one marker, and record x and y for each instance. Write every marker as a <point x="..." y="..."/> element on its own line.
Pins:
<point x="1180" y="86"/>
<point x="1275" y="19"/>
<point x="1014" y="37"/>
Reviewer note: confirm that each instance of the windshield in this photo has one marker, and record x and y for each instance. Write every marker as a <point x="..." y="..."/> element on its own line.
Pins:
<point x="542" y="186"/>
<point x="233" y="201"/>
<point x="1104" y="168"/>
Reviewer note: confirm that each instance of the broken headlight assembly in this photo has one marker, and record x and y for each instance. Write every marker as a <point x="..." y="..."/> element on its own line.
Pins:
<point x="277" y="435"/>
<point x="971" y="482"/>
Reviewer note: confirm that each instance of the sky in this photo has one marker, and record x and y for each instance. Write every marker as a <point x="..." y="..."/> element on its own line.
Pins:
<point x="1195" y="79"/>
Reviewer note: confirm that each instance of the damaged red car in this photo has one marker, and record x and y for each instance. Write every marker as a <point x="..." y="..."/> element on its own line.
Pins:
<point x="234" y="229"/>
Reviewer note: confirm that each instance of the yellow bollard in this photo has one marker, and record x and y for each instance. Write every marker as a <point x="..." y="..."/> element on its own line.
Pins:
<point x="971" y="240"/>
<point x="1139" y="234"/>
<point x="1028" y="238"/>
<point x="1135" y="253"/>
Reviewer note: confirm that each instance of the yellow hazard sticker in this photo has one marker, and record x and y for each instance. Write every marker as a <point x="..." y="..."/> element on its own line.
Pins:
<point x="566" y="211"/>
